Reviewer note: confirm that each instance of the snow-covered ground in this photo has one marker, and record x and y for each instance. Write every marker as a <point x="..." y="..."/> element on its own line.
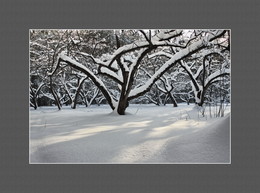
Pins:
<point x="147" y="134"/>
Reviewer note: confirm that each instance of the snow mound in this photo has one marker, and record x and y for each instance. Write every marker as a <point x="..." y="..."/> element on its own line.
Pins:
<point x="208" y="145"/>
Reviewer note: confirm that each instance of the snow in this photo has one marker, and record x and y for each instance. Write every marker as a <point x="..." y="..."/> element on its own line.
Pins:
<point x="89" y="73"/>
<point x="92" y="57"/>
<point x="39" y="45"/>
<point x="147" y="134"/>
<point x="166" y="65"/>
<point x="165" y="34"/>
<point x="160" y="53"/>
<point x="216" y="74"/>
<point x="110" y="73"/>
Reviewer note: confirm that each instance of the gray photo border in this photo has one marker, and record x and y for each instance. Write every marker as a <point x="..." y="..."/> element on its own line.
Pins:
<point x="17" y="17"/>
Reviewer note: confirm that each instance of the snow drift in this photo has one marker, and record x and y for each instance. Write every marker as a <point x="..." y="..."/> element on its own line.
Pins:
<point x="147" y="134"/>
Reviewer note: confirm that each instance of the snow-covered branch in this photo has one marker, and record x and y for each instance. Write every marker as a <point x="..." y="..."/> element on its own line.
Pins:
<point x="111" y="74"/>
<point x="167" y="65"/>
<point x="91" y="75"/>
<point x="216" y="75"/>
<point x="158" y="40"/>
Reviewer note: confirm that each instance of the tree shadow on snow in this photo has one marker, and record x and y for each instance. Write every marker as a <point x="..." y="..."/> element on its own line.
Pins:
<point x="127" y="139"/>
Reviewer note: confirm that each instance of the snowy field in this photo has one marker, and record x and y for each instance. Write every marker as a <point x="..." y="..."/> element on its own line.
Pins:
<point x="147" y="134"/>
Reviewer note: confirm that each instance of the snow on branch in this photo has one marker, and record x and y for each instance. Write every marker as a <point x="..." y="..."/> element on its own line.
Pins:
<point x="111" y="74"/>
<point x="167" y="34"/>
<point x="205" y="55"/>
<point x="95" y="60"/>
<point x="49" y="96"/>
<point x="128" y="48"/>
<point x="216" y="75"/>
<point x="138" y="91"/>
<point x="158" y="40"/>
<point x="160" y="53"/>
<point x="134" y="62"/>
<point x="39" y="45"/>
<point x="90" y="74"/>
<point x="39" y="88"/>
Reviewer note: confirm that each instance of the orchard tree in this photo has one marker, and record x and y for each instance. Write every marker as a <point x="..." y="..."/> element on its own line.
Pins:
<point x="122" y="64"/>
<point x="204" y="68"/>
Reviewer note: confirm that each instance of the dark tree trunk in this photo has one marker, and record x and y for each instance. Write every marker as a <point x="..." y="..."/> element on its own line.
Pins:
<point x="35" y="103"/>
<point x="55" y="94"/>
<point x="73" y="106"/>
<point x="202" y="97"/>
<point x="122" y="105"/>
<point x="35" y="96"/>
<point x="173" y="100"/>
<point x="33" y="99"/>
<point x="74" y="102"/>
